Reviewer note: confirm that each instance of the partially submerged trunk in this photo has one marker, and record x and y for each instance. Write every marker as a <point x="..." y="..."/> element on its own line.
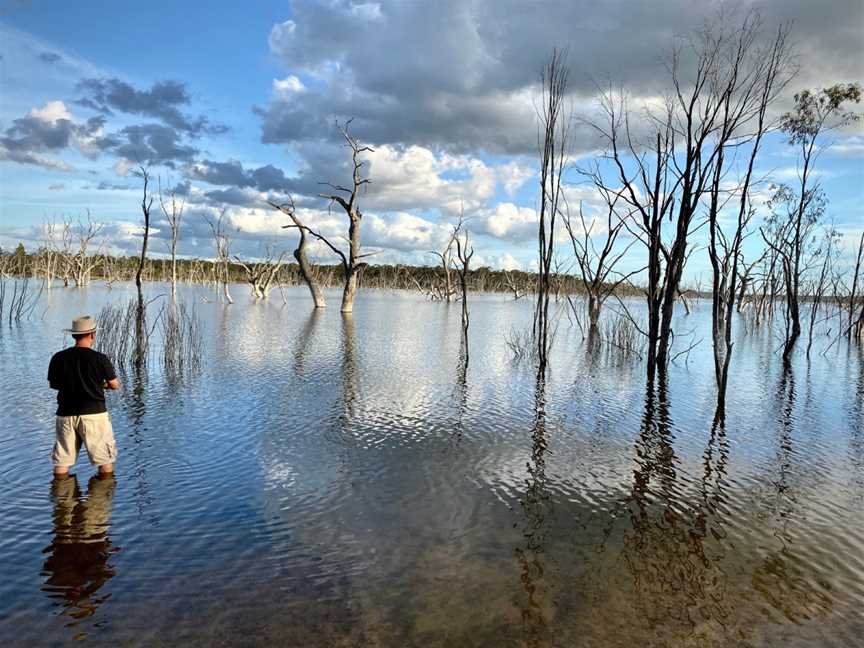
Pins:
<point x="300" y="253"/>
<point x="349" y="291"/>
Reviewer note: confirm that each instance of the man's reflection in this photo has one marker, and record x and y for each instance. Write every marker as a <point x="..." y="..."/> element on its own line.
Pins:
<point x="77" y="564"/>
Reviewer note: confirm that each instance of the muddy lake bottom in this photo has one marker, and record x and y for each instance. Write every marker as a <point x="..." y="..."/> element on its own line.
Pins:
<point x="333" y="481"/>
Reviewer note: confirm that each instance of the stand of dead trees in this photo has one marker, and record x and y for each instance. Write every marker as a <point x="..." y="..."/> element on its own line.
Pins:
<point x="715" y="105"/>
<point x="347" y="198"/>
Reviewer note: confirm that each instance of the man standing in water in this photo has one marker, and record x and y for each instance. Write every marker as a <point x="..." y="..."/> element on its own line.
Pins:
<point x="80" y="375"/>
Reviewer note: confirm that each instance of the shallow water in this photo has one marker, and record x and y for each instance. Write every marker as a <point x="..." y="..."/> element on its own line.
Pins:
<point x="324" y="481"/>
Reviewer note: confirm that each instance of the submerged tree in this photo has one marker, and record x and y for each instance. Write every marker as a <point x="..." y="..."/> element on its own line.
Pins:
<point x="172" y="210"/>
<point x="756" y="75"/>
<point x="222" y="245"/>
<point x="789" y="233"/>
<point x="300" y="252"/>
<point x="597" y="265"/>
<point x="445" y="256"/>
<point x="717" y="93"/>
<point x="263" y="273"/>
<point x="555" y="145"/>
<point x="464" y="252"/>
<point x="347" y="198"/>
<point x="853" y="295"/>
<point x="77" y="261"/>
<point x="140" y="321"/>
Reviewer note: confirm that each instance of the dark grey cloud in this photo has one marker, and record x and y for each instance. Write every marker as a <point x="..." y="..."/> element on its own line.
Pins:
<point x="39" y="132"/>
<point x="162" y="101"/>
<point x="220" y="173"/>
<point x="151" y="144"/>
<point x="56" y="187"/>
<point x="49" y="57"/>
<point x="232" y="173"/>
<point x="233" y="196"/>
<point x="181" y="189"/>
<point x="461" y="73"/>
<point x="30" y="136"/>
<point x="38" y="135"/>
<point x="269" y="178"/>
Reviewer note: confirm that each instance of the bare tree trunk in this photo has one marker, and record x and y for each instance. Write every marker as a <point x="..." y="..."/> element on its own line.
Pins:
<point x="140" y="323"/>
<point x="766" y="74"/>
<point x="173" y="215"/>
<point x="300" y="255"/>
<point x="818" y="293"/>
<point x="555" y="145"/>
<point x="464" y="252"/>
<point x="222" y="243"/>
<point x="853" y="292"/>
<point x="351" y="264"/>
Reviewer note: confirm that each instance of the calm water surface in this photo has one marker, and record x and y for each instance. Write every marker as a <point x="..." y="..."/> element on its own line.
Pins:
<point x="325" y="481"/>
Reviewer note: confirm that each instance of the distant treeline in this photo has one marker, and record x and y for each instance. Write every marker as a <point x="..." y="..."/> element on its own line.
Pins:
<point x="73" y="270"/>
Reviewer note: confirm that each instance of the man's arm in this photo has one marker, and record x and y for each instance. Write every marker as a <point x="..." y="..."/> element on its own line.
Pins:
<point x="53" y="380"/>
<point x="111" y="381"/>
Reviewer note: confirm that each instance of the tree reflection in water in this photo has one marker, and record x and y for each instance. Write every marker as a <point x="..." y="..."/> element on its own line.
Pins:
<point x="783" y="581"/>
<point x="301" y="348"/>
<point x="536" y="506"/>
<point x="77" y="563"/>
<point x="349" y="368"/>
<point x="691" y="584"/>
<point x="673" y="548"/>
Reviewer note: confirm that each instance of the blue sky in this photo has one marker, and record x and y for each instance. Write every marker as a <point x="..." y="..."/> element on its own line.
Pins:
<point x="236" y="100"/>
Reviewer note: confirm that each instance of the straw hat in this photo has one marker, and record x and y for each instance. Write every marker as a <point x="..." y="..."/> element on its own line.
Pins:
<point x="82" y="325"/>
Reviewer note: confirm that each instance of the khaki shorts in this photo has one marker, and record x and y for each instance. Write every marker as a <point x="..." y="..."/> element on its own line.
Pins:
<point x="93" y="430"/>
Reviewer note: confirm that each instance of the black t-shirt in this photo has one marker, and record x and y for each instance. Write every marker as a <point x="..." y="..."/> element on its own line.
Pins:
<point x="78" y="374"/>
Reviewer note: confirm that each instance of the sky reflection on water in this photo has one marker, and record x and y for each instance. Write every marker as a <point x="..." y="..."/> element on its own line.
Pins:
<point x="348" y="481"/>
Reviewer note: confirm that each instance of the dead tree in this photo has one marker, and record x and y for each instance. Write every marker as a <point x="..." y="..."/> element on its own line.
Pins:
<point x="820" y="285"/>
<point x="173" y="213"/>
<point x="48" y="261"/>
<point x="853" y="293"/>
<point x="447" y="262"/>
<point x="146" y="204"/>
<point x="222" y="245"/>
<point x="464" y="252"/>
<point x="512" y="286"/>
<point x="80" y="263"/>
<point x="300" y="255"/>
<point x="597" y="265"/>
<point x="746" y="278"/>
<point x="667" y="177"/>
<point x="262" y="274"/>
<point x="554" y="144"/>
<point x="140" y="321"/>
<point x="753" y="78"/>
<point x="446" y="258"/>
<point x="815" y="114"/>
<point x="347" y="198"/>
